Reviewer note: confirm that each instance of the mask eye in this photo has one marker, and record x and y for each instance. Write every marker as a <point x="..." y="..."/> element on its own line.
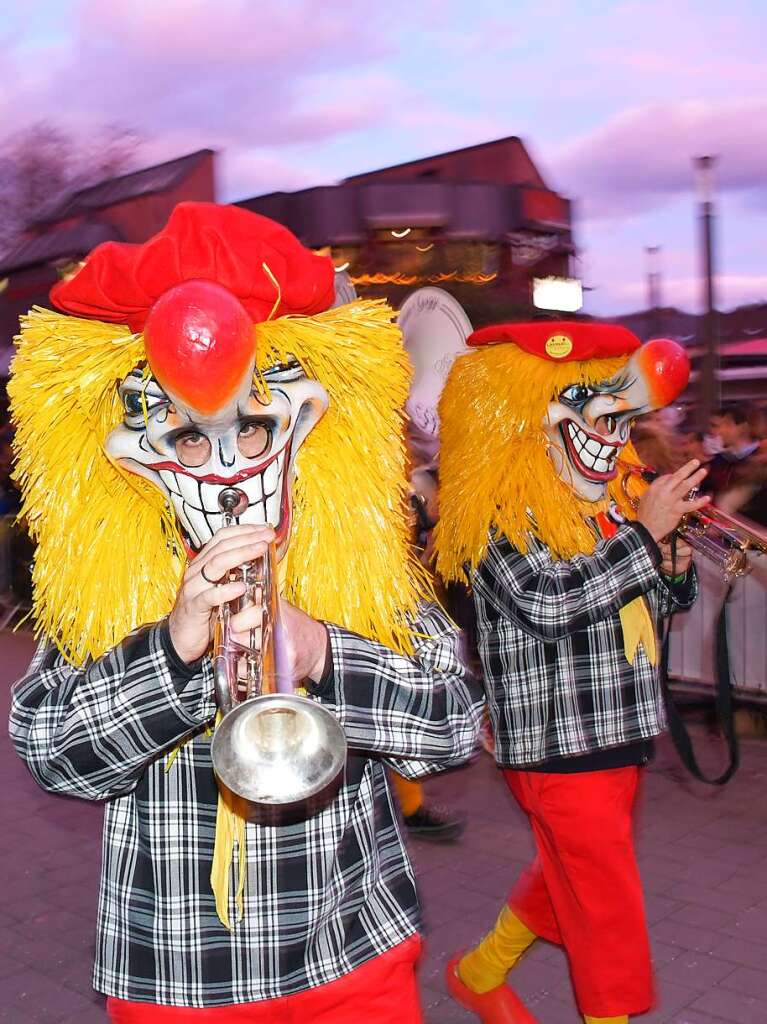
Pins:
<point x="140" y="397"/>
<point x="254" y="439"/>
<point x="132" y="403"/>
<point x="576" y="394"/>
<point x="192" y="448"/>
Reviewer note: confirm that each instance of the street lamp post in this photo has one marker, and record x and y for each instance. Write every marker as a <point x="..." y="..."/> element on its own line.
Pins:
<point x="653" y="290"/>
<point x="710" y="395"/>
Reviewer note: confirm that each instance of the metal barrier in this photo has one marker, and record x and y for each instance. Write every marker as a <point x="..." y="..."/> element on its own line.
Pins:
<point x="691" y="651"/>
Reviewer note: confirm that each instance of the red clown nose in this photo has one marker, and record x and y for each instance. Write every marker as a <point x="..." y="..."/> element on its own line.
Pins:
<point x="665" y="368"/>
<point x="200" y="344"/>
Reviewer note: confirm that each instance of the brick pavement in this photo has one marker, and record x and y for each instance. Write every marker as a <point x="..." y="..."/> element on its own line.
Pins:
<point x="703" y="855"/>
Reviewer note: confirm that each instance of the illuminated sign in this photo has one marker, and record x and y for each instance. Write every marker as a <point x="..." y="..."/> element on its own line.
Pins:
<point x="564" y="294"/>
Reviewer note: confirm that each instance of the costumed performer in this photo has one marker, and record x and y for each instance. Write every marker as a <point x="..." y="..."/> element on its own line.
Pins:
<point x="538" y="485"/>
<point x="206" y="358"/>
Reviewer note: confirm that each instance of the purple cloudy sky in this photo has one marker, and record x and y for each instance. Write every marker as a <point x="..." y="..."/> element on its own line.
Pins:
<point x="612" y="98"/>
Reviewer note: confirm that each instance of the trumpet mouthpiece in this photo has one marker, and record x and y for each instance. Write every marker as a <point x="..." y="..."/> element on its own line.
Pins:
<point x="232" y="501"/>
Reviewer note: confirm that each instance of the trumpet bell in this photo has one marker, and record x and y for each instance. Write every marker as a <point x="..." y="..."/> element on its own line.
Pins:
<point x="278" y="750"/>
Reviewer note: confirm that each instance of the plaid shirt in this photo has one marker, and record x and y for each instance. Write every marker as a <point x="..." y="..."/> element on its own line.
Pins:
<point x="322" y="896"/>
<point x="551" y="645"/>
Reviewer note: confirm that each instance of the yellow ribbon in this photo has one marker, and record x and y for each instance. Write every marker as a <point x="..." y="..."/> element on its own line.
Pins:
<point x="231" y="816"/>
<point x="230" y="832"/>
<point x="638" y="629"/>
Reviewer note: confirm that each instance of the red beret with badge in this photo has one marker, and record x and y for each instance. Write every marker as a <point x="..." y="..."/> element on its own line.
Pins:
<point x="560" y="340"/>
<point x="664" y="362"/>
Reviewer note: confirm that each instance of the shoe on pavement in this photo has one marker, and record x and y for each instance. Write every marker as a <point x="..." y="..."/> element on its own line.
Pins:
<point x="435" y="823"/>
<point x="498" y="1006"/>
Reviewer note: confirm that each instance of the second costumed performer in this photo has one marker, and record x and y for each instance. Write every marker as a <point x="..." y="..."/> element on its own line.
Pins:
<point x="210" y="358"/>
<point x="570" y="586"/>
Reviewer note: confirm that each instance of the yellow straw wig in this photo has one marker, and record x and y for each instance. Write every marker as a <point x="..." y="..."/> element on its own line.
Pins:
<point x="109" y="557"/>
<point x="495" y="472"/>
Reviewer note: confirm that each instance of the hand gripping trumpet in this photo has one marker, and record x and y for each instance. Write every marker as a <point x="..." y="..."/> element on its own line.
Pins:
<point x="271" y="746"/>
<point x="723" y="538"/>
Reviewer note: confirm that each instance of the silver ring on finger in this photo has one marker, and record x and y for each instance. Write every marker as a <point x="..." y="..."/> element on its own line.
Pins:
<point x="207" y="579"/>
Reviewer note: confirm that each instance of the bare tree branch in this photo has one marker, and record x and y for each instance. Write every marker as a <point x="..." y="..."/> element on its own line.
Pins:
<point x="42" y="164"/>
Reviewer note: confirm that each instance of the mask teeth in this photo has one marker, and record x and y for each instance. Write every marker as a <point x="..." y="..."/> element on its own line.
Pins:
<point x="198" y="523"/>
<point x="196" y="502"/>
<point x="182" y="511"/>
<point x="592" y="453"/>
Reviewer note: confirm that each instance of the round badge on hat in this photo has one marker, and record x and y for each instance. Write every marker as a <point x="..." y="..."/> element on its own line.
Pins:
<point x="559" y="346"/>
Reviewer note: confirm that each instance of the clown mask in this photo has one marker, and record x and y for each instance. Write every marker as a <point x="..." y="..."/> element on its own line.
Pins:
<point x="588" y="424"/>
<point x="197" y="422"/>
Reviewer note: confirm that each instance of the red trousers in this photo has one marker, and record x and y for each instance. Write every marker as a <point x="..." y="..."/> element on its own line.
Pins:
<point x="583" y="890"/>
<point x="381" y="991"/>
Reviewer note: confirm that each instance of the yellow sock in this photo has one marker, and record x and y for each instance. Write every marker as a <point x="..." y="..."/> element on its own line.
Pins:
<point x="623" y="1019"/>
<point x="409" y="794"/>
<point x="487" y="965"/>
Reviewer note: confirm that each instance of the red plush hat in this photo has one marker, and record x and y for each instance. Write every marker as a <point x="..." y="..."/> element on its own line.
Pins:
<point x="560" y="340"/>
<point x="201" y="242"/>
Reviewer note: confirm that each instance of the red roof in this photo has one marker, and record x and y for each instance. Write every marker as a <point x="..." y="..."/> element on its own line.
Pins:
<point x="756" y="347"/>
<point x="158" y="178"/>
<point x="752" y="347"/>
<point x="72" y="242"/>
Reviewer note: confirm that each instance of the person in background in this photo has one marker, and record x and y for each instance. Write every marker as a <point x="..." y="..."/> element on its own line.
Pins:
<point x="731" y="427"/>
<point x="693" y="446"/>
<point x="746" y="490"/>
<point x="757" y="418"/>
<point x="657" y="443"/>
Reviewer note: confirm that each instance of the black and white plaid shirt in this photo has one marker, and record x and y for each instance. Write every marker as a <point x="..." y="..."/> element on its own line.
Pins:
<point x="322" y="896"/>
<point x="551" y="644"/>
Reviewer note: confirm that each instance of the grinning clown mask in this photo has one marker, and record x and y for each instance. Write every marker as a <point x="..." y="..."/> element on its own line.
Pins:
<point x="211" y="355"/>
<point x="201" y="421"/>
<point x="588" y="424"/>
<point x="535" y="425"/>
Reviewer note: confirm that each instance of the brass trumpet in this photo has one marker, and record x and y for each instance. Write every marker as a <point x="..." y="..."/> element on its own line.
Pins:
<point x="271" y="746"/>
<point x="722" y="537"/>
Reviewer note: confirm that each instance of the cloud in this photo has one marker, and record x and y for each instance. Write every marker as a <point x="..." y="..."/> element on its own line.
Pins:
<point x="438" y="128"/>
<point x="293" y="93"/>
<point x="262" y="83"/>
<point x="247" y="173"/>
<point x="639" y="159"/>
<point x="235" y="72"/>
<point x="194" y="33"/>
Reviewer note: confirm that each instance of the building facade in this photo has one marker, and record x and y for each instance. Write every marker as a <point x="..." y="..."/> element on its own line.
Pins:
<point x="480" y="222"/>
<point x="128" y="208"/>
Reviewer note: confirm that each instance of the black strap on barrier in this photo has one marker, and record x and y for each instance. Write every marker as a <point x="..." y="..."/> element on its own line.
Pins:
<point x="722" y="699"/>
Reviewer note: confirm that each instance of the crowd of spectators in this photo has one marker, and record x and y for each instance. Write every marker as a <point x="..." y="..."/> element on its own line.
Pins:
<point x="733" y="446"/>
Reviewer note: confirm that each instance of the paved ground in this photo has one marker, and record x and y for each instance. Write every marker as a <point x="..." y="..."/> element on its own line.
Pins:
<point x="703" y="855"/>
